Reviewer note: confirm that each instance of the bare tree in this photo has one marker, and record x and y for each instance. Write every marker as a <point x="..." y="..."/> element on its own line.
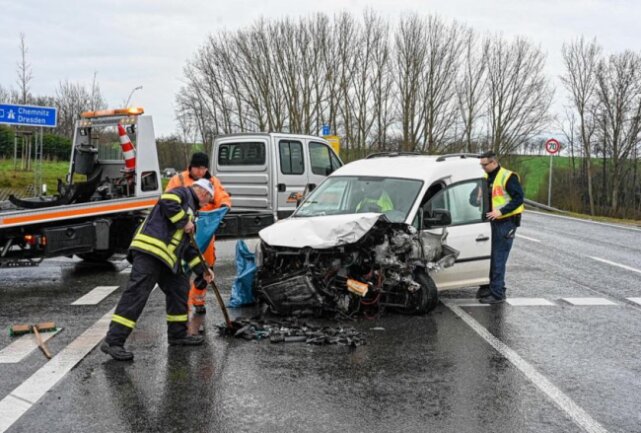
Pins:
<point x="71" y="100"/>
<point x="471" y="85"/>
<point x="23" y="71"/>
<point x="580" y="79"/>
<point x="518" y="93"/>
<point x="438" y="86"/>
<point x="619" y="115"/>
<point x="410" y="67"/>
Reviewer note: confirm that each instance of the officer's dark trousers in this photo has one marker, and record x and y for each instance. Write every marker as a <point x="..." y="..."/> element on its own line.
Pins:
<point x="502" y="238"/>
<point x="146" y="271"/>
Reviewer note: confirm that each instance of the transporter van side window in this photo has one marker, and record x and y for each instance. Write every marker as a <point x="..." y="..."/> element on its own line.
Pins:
<point x="463" y="200"/>
<point x="291" y="157"/>
<point x="319" y="155"/>
<point x="247" y="153"/>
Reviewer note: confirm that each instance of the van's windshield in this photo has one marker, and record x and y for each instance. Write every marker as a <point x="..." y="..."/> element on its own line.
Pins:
<point x="341" y="195"/>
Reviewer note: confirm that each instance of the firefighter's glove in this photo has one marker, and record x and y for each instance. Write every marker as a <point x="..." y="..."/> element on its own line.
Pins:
<point x="207" y="277"/>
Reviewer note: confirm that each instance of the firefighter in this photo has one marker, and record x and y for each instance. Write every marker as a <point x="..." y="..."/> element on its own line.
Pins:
<point x="198" y="169"/>
<point x="157" y="251"/>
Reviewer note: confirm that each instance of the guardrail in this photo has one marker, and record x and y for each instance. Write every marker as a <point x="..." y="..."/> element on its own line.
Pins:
<point x="542" y="206"/>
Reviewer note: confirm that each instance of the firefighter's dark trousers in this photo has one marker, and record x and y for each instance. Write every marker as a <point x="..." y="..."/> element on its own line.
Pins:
<point x="146" y="271"/>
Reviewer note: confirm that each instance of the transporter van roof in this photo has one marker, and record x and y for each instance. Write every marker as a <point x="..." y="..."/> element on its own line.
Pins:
<point x="427" y="168"/>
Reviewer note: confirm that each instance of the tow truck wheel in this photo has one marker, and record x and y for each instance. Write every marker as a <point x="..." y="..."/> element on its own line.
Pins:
<point x="426" y="298"/>
<point x="96" y="256"/>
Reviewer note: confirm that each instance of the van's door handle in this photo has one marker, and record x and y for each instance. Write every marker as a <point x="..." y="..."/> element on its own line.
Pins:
<point x="482" y="238"/>
<point x="282" y="187"/>
<point x="311" y="186"/>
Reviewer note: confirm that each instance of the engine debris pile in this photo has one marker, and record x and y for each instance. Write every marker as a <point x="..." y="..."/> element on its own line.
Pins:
<point x="291" y="330"/>
<point x="387" y="268"/>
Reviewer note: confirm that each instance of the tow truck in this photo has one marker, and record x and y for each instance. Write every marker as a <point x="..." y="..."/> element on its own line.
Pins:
<point x="101" y="201"/>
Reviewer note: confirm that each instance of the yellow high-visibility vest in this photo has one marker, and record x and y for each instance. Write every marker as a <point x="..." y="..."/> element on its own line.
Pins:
<point x="500" y="196"/>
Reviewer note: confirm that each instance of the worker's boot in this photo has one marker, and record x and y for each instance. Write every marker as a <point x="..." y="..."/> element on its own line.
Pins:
<point x="196" y="323"/>
<point x="187" y="340"/>
<point x="483" y="291"/>
<point x="117" y="352"/>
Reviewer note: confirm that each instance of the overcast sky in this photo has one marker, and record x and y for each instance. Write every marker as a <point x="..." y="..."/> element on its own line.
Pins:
<point x="147" y="42"/>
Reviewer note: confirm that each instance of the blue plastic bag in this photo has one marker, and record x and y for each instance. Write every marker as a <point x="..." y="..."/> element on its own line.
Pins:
<point x="207" y="224"/>
<point x="242" y="292"/>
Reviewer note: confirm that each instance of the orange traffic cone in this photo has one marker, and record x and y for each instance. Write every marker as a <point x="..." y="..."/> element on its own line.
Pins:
<point x="128" y="150"/>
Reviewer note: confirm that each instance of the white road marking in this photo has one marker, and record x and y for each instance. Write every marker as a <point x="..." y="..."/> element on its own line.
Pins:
<point x="618" y="226"/>
<point x="619" y="265"/>
<point x="518" y="235"/>
<point x="635" y="300"/>
<point x="466" y="302"/>
<point x="22" y="347"/>
<point x="564" y="402"/>
<point x="95" y="296"/>
<point x="529" y="302"/>
<point x="23" y="397"/>
<point x="589" y="301"/>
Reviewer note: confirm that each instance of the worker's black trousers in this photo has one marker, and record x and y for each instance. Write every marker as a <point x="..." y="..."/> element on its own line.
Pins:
<point x="146" y="271"/>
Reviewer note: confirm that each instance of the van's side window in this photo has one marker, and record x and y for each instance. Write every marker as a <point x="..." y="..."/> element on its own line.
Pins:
<point x="464" y="201"/>
<point x="322" y="163"/>
<point x="291" y="157"/>
<point x="248" y="153"/>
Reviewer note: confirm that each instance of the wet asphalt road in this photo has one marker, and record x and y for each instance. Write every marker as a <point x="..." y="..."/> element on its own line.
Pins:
<point x="432" y="373"/>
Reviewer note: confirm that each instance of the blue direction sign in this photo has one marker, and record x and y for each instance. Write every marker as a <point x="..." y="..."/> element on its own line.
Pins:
<point x="325" y="129"/>
<point x="28" y="115"/>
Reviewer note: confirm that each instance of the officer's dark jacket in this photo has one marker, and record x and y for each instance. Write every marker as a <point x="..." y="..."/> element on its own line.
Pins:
<point x="161" y="234"/>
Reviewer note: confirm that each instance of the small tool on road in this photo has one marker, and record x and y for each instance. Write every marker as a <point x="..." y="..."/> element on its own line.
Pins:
<point x="21" y="329"/>
<point x="228" y="322"/>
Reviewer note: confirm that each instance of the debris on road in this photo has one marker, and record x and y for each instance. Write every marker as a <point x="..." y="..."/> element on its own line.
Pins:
<point x="291" y="330"/>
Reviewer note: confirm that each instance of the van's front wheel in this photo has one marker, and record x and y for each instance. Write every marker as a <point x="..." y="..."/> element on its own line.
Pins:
<point x="424" y="299"/>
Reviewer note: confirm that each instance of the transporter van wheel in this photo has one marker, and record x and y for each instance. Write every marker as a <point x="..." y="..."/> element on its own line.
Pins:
<point x="96" y="256"/>
<point x="427" y="297"/>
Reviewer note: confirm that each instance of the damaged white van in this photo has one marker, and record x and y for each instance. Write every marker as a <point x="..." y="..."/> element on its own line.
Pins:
<point x="380" y="233"/>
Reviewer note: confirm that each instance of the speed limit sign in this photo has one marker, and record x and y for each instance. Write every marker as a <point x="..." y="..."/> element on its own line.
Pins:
<point x="552" y="146"/>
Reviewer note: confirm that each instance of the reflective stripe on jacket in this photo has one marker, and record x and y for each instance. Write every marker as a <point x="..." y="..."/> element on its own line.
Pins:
<point x="161" y="234"/>
<point x="500" y="196"/>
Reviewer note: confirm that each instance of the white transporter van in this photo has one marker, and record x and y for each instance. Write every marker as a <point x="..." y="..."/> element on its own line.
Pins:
<point x="267" y="174"/>
<point x="380" y="232"/>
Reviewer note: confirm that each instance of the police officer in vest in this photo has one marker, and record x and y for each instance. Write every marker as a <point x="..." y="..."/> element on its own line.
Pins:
<point x="506" y="206"/>
<point x="157" y="252"/>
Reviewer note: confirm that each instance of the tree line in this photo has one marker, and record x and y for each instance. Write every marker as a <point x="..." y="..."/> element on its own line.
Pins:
<point x="421" y="84"/>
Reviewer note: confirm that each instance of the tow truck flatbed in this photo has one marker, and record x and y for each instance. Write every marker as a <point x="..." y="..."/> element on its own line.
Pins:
<point x="18" y="217"/>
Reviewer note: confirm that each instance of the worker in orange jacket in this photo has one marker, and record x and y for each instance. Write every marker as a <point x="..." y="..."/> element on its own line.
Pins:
<point x="199" y="168"/>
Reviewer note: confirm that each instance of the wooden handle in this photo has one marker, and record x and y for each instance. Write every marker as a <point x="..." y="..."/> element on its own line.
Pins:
<point x="41" y="344"/>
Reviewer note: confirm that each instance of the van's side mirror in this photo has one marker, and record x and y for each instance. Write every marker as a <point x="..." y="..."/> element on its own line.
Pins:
<point x="437" y="218"/>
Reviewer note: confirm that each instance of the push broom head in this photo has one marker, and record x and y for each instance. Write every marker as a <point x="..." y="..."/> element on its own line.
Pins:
<point x="23" y="328"/>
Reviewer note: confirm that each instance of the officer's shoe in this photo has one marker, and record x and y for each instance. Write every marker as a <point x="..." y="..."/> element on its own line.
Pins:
<point x="482" y="292"/>
<point x="117" y="352"/>
<point x="188" y="340"/>
<point x="491" y="300"/>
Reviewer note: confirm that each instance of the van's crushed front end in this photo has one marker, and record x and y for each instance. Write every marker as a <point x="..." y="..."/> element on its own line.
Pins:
<point x="349" y="264"/>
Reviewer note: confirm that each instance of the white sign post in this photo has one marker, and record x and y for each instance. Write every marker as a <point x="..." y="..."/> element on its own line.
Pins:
<point x="552" y="147"/>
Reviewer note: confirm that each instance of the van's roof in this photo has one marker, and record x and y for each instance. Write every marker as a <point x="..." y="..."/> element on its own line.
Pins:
<point x="419" y="167"/>
<point x="267" y="134"/>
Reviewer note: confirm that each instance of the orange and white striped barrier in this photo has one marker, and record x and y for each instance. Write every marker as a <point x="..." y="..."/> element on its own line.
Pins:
<point x="128" y="150"/>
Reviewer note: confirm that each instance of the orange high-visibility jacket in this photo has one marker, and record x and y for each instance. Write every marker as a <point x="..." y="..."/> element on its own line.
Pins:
<point x="221" y="197"/>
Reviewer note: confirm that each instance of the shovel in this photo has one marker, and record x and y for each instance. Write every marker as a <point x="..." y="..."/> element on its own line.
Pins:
<point x="219" y="298"/>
